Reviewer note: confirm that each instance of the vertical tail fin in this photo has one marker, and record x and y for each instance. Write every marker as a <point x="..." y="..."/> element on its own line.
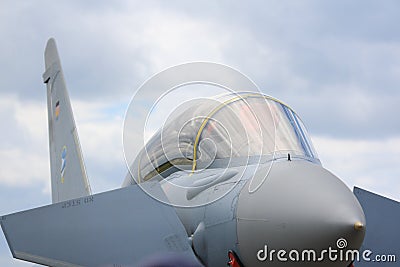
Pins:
<point x="68" y="174"/>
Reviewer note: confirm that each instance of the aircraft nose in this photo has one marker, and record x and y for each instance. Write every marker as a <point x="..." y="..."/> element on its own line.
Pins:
<point x="300" y="208"/>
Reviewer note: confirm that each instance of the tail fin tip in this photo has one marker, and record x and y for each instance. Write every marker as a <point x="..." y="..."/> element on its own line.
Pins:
<point x="51" y="53"/>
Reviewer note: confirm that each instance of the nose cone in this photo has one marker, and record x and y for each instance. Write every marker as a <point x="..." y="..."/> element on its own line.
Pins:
<point x="300" y="207"/>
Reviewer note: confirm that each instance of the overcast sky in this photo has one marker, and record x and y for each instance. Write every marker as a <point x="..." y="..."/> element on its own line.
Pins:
<point x="337" y="63"/>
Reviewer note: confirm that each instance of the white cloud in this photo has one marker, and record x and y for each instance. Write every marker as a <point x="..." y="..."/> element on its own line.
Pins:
<point x="32" y="118"/>
<point x="100" y="128"/>
<point x="23" y="168"/>
<point x="370" y="164"/>
<point x="341" y="75"/>
<point x="166" y="37"/>
<point x="28" y="117"/>
<point x="100" y="133"/>
<point x="24" y="148"/>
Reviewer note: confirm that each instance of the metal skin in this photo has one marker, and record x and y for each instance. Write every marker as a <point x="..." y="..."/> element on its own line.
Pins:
<point x="299" y="206"/>
<point x="65" y="151"/>
<point x="382" y="234"/>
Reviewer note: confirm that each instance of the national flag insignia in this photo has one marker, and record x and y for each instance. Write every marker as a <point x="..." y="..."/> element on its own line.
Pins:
<point x="57" y="110"/>
<point x="63" y="163"/>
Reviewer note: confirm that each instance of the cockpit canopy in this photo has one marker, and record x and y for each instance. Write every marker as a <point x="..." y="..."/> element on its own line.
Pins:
<point x="234" y="129"/>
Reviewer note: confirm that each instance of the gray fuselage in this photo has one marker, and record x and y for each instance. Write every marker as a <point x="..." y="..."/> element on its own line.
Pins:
<point x="298" y="205"/>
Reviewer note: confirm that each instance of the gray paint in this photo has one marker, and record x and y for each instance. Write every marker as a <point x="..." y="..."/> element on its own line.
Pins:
<point x="68" y="174"/>
<point x="202" y="184"/>
<point x="382" y="235"/>
<point x="299" y="206"/>
<point x="213" y="226"/>
<point x="117" y="228"/>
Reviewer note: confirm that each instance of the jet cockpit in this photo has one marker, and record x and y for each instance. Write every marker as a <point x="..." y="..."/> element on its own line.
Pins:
<point x="235" y="129"/>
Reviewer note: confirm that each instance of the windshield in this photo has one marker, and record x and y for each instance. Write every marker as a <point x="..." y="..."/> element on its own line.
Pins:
<point x="254" y="125"/>
<point x="206" y="132"/>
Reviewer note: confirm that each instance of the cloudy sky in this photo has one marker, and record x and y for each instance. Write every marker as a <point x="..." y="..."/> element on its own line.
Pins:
<point x="337" y="63"/>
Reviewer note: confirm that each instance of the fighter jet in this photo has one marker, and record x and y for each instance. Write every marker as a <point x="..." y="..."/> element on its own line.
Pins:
<point x="233" y="180"/>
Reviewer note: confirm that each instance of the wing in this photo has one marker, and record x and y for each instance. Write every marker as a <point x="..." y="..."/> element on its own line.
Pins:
<point x="116" y="228"/>
<point x="382" y="235"/>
